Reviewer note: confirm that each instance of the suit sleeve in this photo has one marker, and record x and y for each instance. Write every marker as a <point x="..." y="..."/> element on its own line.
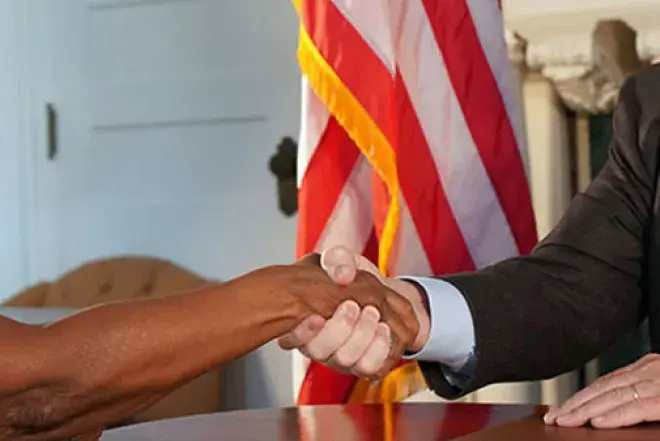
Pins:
<point x="551" y="311"/>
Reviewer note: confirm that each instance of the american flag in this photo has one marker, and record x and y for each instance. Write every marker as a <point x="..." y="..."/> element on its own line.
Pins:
<point x="411" y="149"/>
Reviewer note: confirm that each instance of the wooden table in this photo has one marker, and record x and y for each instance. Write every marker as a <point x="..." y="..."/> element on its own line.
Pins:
<point x="399" y="422"/>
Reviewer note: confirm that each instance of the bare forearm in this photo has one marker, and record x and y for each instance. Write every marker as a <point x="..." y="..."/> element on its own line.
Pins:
<point x="108" y="363"/>
<point x="115" y="352"/>
<point x="155" y="343"/>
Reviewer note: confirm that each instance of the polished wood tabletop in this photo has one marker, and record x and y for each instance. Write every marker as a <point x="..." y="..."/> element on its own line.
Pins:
<point x="398" y="422"/>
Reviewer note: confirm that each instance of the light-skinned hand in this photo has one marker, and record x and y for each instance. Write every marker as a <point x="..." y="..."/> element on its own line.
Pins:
<point x="356" y="340"/>
<point x="626" y="397"/>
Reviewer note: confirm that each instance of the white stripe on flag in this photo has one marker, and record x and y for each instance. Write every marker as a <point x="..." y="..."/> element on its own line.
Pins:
<point x="314" y="120"/>
<point x="351" y="221"/>
<point x="487" y="19"/>
<point x="467" y="185"/>
<point x="372" y="21"/>
<point x="408" y="255"/>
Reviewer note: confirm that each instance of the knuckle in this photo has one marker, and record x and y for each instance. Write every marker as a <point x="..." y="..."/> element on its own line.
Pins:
<point x="595" y="389"/>
<point x="316" y="353"/>
<point x="652" y="357"/>
<point x="402" y="306"/>
<point x="648" y="406"/>
<point x="365" y="368"/>
<point x="313" y="259"/>
<point x="343" y="359"/>
<point x="653" y="403"/>
<point x="620" y="395"/>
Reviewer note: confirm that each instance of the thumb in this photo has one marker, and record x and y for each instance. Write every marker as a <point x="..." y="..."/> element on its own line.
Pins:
<point x="340" y="263"/>
<point x="364" y="264"/>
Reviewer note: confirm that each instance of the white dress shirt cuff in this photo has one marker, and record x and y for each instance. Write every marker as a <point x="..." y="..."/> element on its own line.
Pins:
<point x="451" y="339"/>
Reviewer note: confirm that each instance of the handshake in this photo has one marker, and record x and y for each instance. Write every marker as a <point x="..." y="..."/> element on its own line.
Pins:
<point x="357" y="321"/>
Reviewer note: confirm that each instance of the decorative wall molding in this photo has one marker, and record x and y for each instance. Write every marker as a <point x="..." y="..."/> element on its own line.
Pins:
<point x="648" y="46"/>
<point x="517" y="47"/>
<point x="585" y="48"/>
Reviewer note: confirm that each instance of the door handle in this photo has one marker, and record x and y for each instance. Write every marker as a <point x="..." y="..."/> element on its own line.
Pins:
<point x="51" y="130"/>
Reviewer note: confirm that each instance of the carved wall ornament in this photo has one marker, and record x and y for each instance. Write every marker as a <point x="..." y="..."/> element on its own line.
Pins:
<point x="588" y="68"/>
<point x="648" y="46"/>
<point x="517" y="47"/>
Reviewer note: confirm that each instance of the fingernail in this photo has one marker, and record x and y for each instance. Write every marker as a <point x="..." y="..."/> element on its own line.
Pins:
<point x="383" y="331"/>
<point x="550" y="414"/>
<point x="566" y="420"/>
<point x="350" y="309"/>
<point x="342" y="271"/>
<point x="315" y="322"/>
<point x="372" y="313"/>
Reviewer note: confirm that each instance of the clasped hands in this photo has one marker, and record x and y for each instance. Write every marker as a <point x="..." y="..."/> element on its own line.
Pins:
<point x="369" y="341"/>
<point x="366" y="341"/>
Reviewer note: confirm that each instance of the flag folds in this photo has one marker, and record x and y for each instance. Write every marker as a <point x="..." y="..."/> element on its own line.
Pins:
<point x="410" y="151"/>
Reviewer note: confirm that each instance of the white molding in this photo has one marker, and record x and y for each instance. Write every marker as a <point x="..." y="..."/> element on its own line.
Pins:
<point x="26" y="84"/>
<point x="13" y="147"/>
<point x="561" y="57"/>
<point x="648" y="45"/>
<point x="558" y="36"/>
<point x="537" y="21"/>
<point x="517" y="47"/>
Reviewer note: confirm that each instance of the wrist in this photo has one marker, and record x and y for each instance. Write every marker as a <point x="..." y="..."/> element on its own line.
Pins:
<point x="282" y="299"/>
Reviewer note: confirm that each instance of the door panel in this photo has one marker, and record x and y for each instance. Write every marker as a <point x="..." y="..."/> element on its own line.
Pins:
<point x="168" y="112"/>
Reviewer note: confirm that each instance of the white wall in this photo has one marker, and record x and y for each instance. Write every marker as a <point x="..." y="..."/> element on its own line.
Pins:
<point x="12" y="261"/>
<point x="263" y="378"/>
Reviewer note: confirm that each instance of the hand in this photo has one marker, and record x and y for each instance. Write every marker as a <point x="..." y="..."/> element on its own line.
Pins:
<point x="625" y="397"/>
<point x="353" y="340"/>
<point x="89" y="436"/>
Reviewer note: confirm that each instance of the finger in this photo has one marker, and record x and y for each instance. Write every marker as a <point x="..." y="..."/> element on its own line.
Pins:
<point x="335" y="332"/>
<point x="606" y="402"/>
<point x="90" y="436"/>
<point x="374" y="358"/>
<point x="310" y="259"/>
<point x="604" y="381"/>
<point x="358" y="342"/>
<point x="397" y="345"/>
<point x="630" y="414"/>
<point x="340" y="264"/>
<point x="400" y="317"/>
<point x="597" y="388"/>
<point x="303" y="333"/>
<point x="364" y="264"/>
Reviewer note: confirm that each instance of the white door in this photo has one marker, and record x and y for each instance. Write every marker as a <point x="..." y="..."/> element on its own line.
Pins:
<point x="167" y="114"/>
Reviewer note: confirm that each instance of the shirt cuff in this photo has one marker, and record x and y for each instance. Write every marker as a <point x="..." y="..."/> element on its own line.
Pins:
<point x="451" y="338"/>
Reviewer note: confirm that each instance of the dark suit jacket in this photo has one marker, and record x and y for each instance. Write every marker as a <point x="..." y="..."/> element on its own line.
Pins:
<point x="596" y="275"/>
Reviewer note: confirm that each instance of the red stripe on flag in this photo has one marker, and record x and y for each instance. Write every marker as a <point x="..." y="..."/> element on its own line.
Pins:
<point x="371" y="248"/>
<point x="329" y="168"/>
<point x="323" y="385"/>
<point x="353" y="60"/>
<point x="424" y="194"/>
<point x="485" y="113"/>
